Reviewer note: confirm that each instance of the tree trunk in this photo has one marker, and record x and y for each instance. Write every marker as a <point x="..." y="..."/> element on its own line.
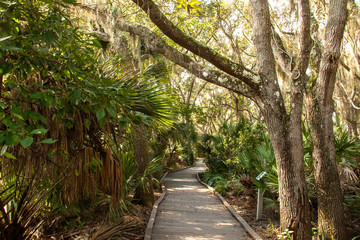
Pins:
<point x="143" y="193"/>
<point x="286" y="139"/>
<point x="329" y="193"/>
<point x="284" y="129"/>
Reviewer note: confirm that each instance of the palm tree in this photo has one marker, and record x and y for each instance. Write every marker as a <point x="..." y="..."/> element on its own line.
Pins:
<point x="61" y="113"/>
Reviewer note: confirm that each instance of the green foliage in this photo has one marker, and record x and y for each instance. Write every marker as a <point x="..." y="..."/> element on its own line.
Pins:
<point x="53" y="66"/>
<point x="235" y="154"/>
<point x="222" y="151"/>
<point x="352" y="204"/>
<point x="41" y="53"/>
<point x="63" y="102"/>
<point x="23" y="202"/>
<point x="223" y="184"/>
<point x="228" y="159"/>
<point x="347" y="147"/>
<point x="285" y="235"/>
<point x="155" y="167"/>
<point x="176" y="142"/>
<point x="171" y="137"/>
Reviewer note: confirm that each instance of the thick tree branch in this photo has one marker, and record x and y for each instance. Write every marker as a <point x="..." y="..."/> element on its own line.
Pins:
<point x="327" y="182"/>
<point x="264" y="55"/>
<point x="157" y="45"/>
<point x="295" y="70"/>
<point x="298" y="73"/>
<point x="169" y="29"/>
<point x="334" y="31"/>
<point x="305" y="40"/>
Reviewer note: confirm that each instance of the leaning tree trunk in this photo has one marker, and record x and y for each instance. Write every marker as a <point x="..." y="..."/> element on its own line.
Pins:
<point x="329" y="193"/>
<point x="144" y="193"/>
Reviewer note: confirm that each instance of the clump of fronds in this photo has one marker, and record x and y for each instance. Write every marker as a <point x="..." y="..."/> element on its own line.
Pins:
<point x="24" y="206"/>
<point x="122" y="231"/>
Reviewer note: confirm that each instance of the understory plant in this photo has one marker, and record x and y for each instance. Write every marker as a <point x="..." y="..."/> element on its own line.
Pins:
<point x="229" y="157"/>
<point x="224" y="151"/>
<point x="65" y="107"/>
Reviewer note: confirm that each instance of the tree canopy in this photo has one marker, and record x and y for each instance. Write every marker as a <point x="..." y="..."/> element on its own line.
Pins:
<point x="85" y="85"/>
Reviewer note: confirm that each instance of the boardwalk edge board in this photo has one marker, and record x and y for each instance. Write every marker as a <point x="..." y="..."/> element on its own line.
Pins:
<point x="151" y="221"/>
<point x="163" y="177"/>
<point x="242" y="221"/>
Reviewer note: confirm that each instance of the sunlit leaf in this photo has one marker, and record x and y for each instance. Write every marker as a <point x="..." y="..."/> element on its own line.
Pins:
<point x="3" y="150"/>
<point x="111" y="111"/>
<point x="39" y="131"/>
<point x="5" y="38"/>
<point x="96" y="43"/>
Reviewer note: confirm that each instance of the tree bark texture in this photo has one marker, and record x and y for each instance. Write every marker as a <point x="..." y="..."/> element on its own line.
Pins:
<point x="329" y="193"/>
<point x="145" y="194"/>
<point x="285" y="130"/>
<point x="293" y="195"/>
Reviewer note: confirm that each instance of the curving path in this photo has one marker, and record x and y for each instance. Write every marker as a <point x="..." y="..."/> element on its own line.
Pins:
<point x="190" y="211"/>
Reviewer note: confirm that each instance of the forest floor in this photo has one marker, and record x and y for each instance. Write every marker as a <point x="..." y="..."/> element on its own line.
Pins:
<point x="268" y="226"/>
<point x="245" y="205"/>
<point x="131" y="226"/>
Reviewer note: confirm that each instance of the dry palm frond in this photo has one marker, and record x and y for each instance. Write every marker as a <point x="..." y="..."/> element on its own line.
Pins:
<point x="129" y="230"/>
<point x="348" y="177"/>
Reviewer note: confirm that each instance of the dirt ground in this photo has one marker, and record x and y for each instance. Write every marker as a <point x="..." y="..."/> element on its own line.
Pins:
<point x="267" y="228"/>
<point x="131" y="226"/>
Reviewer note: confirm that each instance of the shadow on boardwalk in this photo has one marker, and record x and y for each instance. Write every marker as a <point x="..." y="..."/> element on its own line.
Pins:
<point x="191" y="211"/>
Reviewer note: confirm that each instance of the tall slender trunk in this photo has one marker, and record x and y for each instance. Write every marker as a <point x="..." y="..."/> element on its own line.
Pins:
<point x="329" y="193"/>
<point x="143" y="193"/>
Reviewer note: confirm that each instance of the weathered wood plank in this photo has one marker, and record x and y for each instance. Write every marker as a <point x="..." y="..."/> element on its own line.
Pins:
<point x="190" y="211"/>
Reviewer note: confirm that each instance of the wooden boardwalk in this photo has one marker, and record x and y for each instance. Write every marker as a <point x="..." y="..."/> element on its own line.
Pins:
<point x="190" y="211"/>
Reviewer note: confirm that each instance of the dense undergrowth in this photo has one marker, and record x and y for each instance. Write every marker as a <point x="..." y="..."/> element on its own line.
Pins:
<point x="67" y="107"/>
<point x="239" y="152"/>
